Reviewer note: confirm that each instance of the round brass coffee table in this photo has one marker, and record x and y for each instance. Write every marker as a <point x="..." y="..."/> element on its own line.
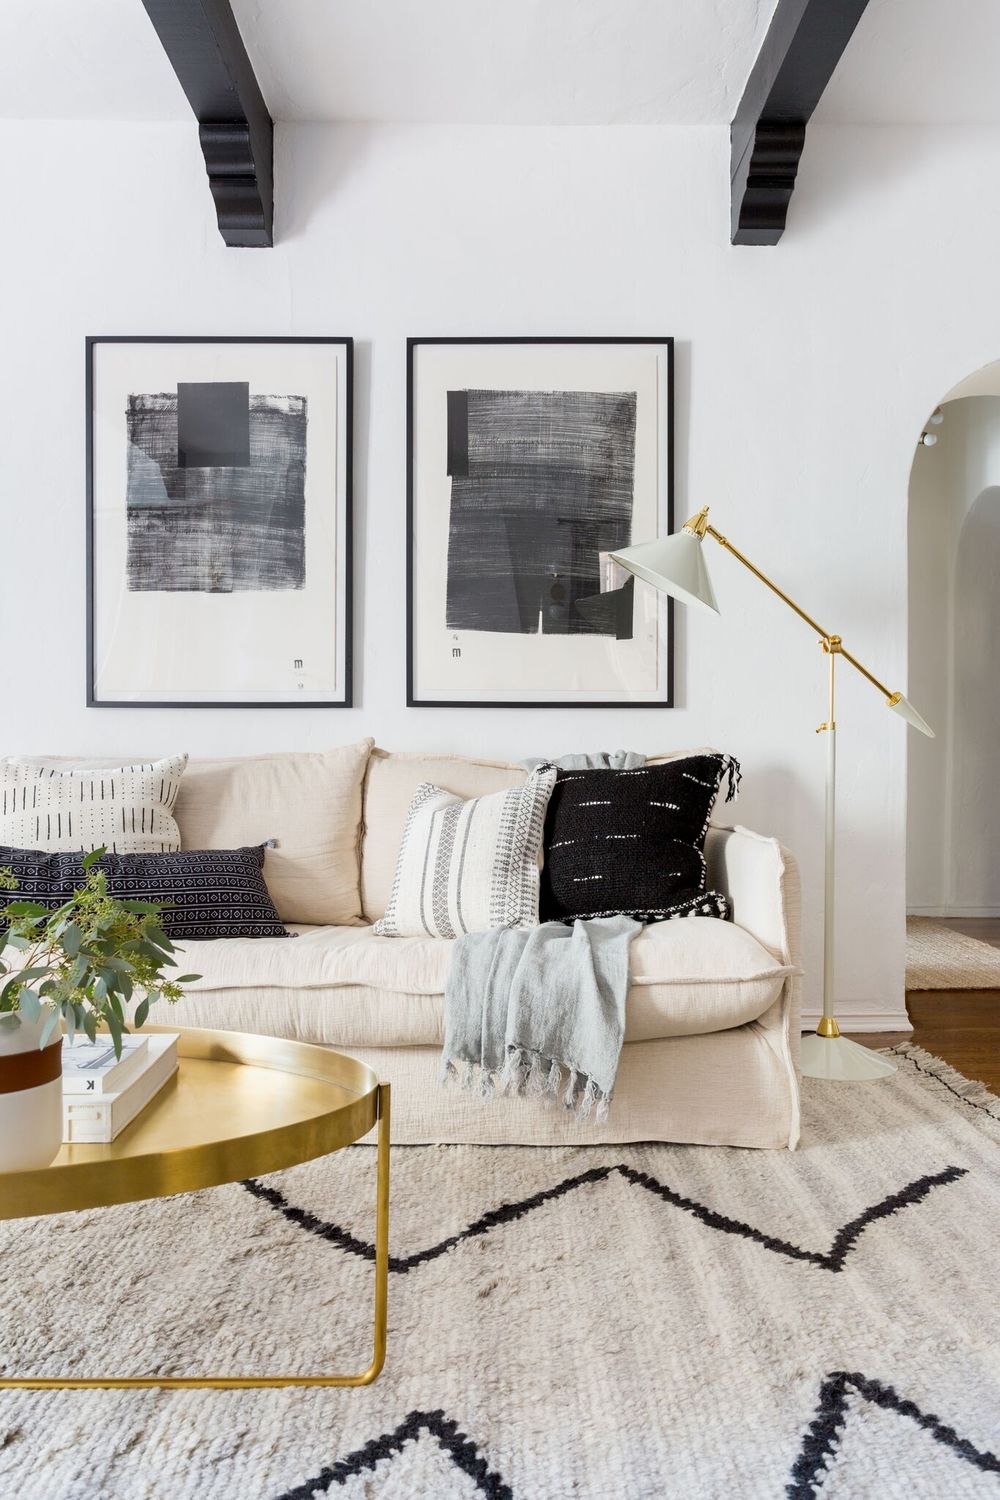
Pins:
<point x="238" y="1106"/>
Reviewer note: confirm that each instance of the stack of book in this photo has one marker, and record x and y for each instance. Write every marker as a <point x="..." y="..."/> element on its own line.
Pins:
<point x="103" y="1093"/>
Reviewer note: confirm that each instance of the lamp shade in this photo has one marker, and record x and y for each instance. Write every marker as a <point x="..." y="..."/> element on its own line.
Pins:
<point x="674" y="564"/>
<point x="904" y="707"/>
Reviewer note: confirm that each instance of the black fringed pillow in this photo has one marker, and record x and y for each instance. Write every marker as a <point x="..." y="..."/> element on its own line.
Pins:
<point x="213" y="893"/>
<point x="632" y="842"/>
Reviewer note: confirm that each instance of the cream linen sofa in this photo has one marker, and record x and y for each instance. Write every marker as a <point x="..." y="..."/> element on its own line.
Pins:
<point x="713" y="1009"/>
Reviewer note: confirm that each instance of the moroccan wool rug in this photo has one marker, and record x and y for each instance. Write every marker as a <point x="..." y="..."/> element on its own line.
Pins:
<point x="653" y="1321"/>
<point x="941" y="958"/>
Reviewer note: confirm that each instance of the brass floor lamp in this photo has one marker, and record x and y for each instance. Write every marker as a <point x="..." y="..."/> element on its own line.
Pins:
<point x="676" y="565"/>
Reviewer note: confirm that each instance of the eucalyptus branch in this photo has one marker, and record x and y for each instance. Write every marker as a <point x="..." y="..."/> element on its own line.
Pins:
<point x="84" y="962"/>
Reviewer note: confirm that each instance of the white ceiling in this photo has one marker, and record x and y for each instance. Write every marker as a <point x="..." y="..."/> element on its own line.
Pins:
<point x="916" y="62"/>
<point x="522" y="62"/>
<point x="84" y="59"/>
<point x="516" y="62"/>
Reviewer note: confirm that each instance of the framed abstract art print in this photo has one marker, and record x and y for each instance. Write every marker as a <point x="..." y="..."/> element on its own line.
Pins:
<point x="219" y="522"/>
<point x="529" y="462"/>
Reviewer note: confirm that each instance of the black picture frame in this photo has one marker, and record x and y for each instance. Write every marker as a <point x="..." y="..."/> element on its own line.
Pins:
<point x="412" y="345"/>
<point x="92" y="344"/>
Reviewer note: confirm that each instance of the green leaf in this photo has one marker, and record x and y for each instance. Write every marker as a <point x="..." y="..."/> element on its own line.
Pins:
<point x="186" y="978"/>
<point x="25" y="909"/>
<point x="10" y="1021"/>
<point x="71" y="938"/>
<point x="153" y="955"/>
<point x="99" y="988"/>
<point x="157" y="941"/>
<point x="115" y="1027"/>
<point x="49" y="1027"/>
<point x="29" y="1005"/>
<point x="26" y="975"/>
<point x="17" y="941"/>
<point x="141" y="1012"/>
<point x="69" y="1016"/>
<point x="153" y="907"/>
<point x="78" y="970"/>
<point x="89" y="860"/>
<point x="90" y="1024"/>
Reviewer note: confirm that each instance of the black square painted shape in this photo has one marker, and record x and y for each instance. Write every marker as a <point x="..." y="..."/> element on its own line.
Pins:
<point x="213" y="424"/>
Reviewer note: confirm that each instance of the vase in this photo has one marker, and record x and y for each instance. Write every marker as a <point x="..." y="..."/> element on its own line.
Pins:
<point x="31" y="1111"/>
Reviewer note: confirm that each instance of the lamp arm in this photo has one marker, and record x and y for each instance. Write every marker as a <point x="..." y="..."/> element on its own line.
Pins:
<point x="825" y="635"/>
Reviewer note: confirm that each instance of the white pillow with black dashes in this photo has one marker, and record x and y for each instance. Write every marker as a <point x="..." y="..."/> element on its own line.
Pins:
<point x="125" y="809"/>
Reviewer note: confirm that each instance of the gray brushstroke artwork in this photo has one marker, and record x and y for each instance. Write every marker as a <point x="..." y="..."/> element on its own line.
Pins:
<point x="215" y="490"/>
<point x="541" y="484"/>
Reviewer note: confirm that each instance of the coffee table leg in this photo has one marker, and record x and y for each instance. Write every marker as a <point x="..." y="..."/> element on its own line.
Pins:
<point x="257" y="1382"/>
<point x="381" y="1244"/>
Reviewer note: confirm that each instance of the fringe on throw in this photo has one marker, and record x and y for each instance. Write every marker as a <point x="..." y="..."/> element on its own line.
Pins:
<point x="527" y="1074"/>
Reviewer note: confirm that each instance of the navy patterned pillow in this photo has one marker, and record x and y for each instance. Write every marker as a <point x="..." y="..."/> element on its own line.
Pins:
<point x="632" y="841"/>
<point x="213" y="893"/>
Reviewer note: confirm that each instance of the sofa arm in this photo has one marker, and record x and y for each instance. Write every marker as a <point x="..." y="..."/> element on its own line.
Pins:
<point x="761" y="880"/>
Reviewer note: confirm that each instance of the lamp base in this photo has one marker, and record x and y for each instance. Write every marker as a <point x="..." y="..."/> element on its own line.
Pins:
<point x="837" y="1058"/>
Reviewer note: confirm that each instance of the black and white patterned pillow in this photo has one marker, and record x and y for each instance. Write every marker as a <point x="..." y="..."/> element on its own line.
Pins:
<point x="127" y="809"/>
<point x="632" y="841"/>
<point x="213" y="893"/>
<point x="468" y="866"/>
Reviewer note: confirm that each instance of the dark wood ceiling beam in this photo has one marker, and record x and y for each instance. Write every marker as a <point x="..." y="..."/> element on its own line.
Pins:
<point x="804" y="43"/>
<point x="205" y="49"/>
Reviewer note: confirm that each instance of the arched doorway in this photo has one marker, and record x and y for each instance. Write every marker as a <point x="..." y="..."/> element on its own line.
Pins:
<point x="953" y="791"/>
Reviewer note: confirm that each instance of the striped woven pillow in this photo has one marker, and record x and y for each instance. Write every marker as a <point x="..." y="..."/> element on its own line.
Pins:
<point x="469" y="866"/>
<point x="127" y="809"/>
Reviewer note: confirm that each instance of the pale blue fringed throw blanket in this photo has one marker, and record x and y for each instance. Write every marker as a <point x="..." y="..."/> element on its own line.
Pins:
<point x="540" y="1011"/>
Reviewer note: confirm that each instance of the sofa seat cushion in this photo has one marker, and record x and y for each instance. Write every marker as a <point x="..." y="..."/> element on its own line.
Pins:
<point x="344" y="986"/>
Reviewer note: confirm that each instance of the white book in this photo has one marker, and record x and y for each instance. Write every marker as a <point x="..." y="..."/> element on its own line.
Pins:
<point x="92" y="1068"/>
<point x="89" y="1120"/>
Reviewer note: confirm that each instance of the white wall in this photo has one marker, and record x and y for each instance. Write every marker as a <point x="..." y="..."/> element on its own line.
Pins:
<point x="804" y="375"/>
<point x="953" y="822"/>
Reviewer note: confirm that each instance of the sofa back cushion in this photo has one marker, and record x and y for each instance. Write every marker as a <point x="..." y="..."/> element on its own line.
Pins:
<point x="309" y="801"/>
<point x="390" y="785"/>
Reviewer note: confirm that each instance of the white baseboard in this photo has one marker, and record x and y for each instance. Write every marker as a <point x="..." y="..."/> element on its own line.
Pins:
<point x="953" y="911"/>
<point x="862" y="1020"/>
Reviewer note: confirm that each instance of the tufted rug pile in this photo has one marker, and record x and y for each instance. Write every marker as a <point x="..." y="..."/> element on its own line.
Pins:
<point x="642" y="1321"/>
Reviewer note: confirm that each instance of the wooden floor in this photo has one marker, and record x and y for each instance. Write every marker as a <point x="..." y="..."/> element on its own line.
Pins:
<point x="962" y="1026"/>
<point x="984" y="929"/>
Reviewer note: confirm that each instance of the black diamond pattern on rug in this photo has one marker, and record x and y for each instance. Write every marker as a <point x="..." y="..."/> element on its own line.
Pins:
<point x="833" y="1259"/>
<point x="822" y="1439"/>
<point x="461" y="1452"/>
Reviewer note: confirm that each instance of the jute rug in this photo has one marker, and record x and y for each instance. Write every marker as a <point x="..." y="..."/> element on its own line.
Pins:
<point x="659" y="1321"/>
<point x="940" y="958"/>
